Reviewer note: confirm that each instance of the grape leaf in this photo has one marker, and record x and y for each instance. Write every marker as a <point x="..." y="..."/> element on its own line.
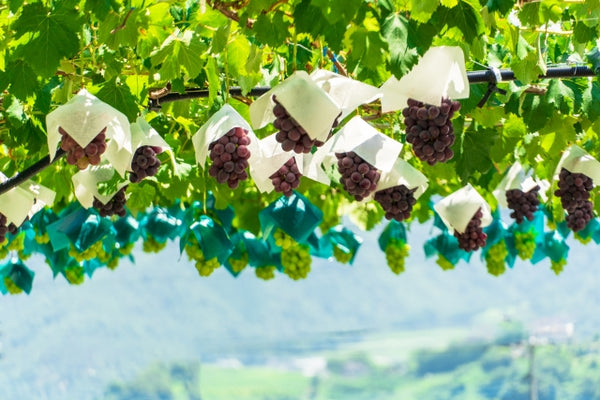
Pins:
<point x="54" y="36"/>
<point x="591" y="106"/>
<point x="463" y="16"/>
<point x="561" y="96"/>
<point x="396" y="32"/>
<point x="141" y="196"/>
<point x="421" y="10"/>
<point x="527" y="69"/>
<point x="23" y="80"/>
<point x="336" y="10"/>
<point x="472" y="152"/>
<point x="502" y="6"/>
<point x="119" y="96"/>
<point x="271" y="29"/>
<point x="178" y="53"/>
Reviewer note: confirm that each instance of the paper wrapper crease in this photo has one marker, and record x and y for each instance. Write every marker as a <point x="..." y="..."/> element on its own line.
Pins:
<point x="85" y="116"/>
<point x="86" y="182"/>
<point x="440" y="73"/>
<point x="304" y="100"/>
<point x="457" y="209"/>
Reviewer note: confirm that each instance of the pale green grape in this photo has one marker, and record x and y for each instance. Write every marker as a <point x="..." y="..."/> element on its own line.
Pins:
<point x="444" y="263"/>
<point x="265" y="273"/>
<point x="494" y="258"/>
<point x="75" y="275"/>
<point x="341" y="256"/>
<point x="11" y="287"/>
<point x="152" y="246"/>
<point x="558" y="267"/>
<point x="237" y="265"/>
<point x="194" y="253"/>
<point x="282" y="239"/>
<point x="396" y="252"/>
<point x="525" y="244"/>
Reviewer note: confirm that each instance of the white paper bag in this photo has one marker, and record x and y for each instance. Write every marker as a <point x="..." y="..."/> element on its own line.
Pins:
<point x="272" y="157"/>
<point x="403" y="174"/>
<point x="86" y="184"/>
<point x="440" y="73"/>
<point x="304" y="100"/>
<point x="85" y="116"/>
<point x="457" y="209"/>
<point x="577" y="160"/>
<point x="348" y="93"/>
<point x="217" y="126"/>
<point x="518" y="178"/>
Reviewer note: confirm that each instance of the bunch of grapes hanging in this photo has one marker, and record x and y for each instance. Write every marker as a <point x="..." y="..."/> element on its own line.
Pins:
<point x="286" y="178"/>
<point x="574" y="192"/>
<point x="429" y="129"/>
<point x="144" y="163"/>
<point x="523" y="204"/>
<point x="229" y="155"/>
<point x="83" y="156"/>
<point x="359" y="178"/>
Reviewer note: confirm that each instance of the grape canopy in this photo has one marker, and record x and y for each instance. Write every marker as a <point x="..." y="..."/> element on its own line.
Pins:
<point x="169" y="94"/>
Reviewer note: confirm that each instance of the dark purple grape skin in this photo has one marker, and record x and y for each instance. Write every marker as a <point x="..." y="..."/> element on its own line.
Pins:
<point x="397" y="202"/>
<point x="286" y="178"/>
<point x="523" y="204"/>
<point x="291" y="135"/>
<point x="144" y="163"/>
<point x="115" y="206"/>
<point x="473" y="237"/>
<point x="574" y="192"/>
<point x="429" y="129"/>
<point x="359" y="178"/>
<point x="229" y="155"/>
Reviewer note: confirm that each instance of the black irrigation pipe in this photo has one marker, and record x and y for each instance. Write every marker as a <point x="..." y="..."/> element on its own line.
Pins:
<point x="490" y="76"/>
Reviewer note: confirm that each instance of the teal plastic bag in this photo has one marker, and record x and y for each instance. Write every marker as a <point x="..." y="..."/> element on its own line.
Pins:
<point x="21" y="276"/>
<point x="295" y="215"/>
<point x="393" y="231"/>
<point x="212" y="238"/>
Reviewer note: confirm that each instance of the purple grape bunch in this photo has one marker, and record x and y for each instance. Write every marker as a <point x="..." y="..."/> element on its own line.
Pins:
<point x="144" y="163"/>
<point x="429" y="129"/>
<point x="229" y="155"/>
<point x="115" y="206"/>
<point x="359" y="178"/>
<point x="291" y="135"/>
<point x="397" y="202"/>
<point x="574" y="192"/>
<point x="473" y="237"/>
<point x="523" y="204"/>
<point x="286" y="178"/>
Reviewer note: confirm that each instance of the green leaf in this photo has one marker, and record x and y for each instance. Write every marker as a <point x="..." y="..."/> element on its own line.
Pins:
<point x="502" y="6"/>
<point x="110" y="186"/>
<point x="119" y="96"/>
<point x="514" y="127"/>
<point x="14" y="5"/>
<point x="271" y="29"/>
<point x="213" y="79"/>
<point x="116" y="31"/>
<point x="591" y="105"/>
<point x="220" y="38"/>
<point x="366" y="216"/>
<point x="178" y="53"/>
<point x="464" y="16"/>
<point x="421" y="10"/>
<point x="338" y="10"/>
<point x="561" y="96"/>
<point x="472" y="152"/>
<point x="54" y="36"/>
<point x="396" y="32"/>
<point x="309" y="19"/>
<point x="141" y="196"/>
<point x="22" y="78"/>
<point x="528" y="69"/>
<point x="488" y="116"/>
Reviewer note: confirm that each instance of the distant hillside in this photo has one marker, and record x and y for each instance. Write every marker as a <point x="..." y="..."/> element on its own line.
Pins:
<point x="66" y="342"/>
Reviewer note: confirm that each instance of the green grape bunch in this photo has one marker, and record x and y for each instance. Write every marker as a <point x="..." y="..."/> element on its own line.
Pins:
<point x="265" y="273"/>
<point x="444" y="263"/>
<point x="75" y="275"/>
<point x="558" y="267"/>
<point x="151" y="245"/>
<point x="238" y="265"/>
<point x="396" y="252"/>
<point x="495" y="258"/>
<point x="194" y="252"/>
<point x="11" y="286"/>
<point x="342" y="256"/>
<point x="95" y="251"/>
<point x="525" y="244"/>
<point x="295" y="257"/>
